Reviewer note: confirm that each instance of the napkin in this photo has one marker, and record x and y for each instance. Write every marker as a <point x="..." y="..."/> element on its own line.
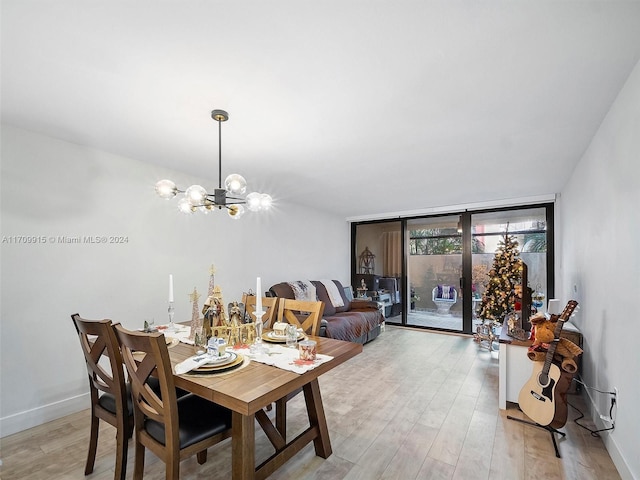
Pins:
<point x="191" y="363"/>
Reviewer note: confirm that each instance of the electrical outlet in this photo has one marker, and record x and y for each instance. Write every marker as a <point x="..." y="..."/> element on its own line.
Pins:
<point x="615" y="389"/>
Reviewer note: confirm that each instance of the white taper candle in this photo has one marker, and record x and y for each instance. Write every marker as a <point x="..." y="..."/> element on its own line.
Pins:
<point x="170" y="287"/>
<point x="258" y="295"/>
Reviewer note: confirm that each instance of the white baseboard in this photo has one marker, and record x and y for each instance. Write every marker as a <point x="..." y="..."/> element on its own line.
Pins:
<point x="37" y="416"/>
<point x="608" y="438"/>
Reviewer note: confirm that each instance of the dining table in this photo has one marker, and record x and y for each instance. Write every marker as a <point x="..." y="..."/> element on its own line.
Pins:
<point x="248" y="391"/>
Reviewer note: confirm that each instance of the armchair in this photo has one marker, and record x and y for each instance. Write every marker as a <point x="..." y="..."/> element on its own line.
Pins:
<point x="444" y="296"/>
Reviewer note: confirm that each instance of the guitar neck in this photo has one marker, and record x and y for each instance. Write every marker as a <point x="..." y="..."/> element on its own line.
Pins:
<point x="568" y="310"/>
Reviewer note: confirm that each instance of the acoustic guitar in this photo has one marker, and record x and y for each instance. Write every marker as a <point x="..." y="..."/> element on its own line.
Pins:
<point x="541" y="397"/>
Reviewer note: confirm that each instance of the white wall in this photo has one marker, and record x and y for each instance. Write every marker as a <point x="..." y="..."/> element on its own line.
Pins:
<point x="52" y="188"/>
<point x="599" y="262"/>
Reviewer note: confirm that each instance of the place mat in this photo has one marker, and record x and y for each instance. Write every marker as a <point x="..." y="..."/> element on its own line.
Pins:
<point x="181" y="332"/>
<point x="286" y="358"/>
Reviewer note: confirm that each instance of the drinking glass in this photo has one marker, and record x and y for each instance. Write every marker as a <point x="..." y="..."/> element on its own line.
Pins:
<point x="308" y="350"/>
<point x="292" y="336"/>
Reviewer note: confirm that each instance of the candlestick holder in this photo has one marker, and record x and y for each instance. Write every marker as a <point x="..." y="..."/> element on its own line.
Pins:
<point x="258" y="347"/>
<point x="170" y="311"/>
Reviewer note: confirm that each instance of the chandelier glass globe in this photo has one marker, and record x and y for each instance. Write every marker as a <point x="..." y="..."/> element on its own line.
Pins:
<point x="195" y="194"/>
<point x="236" y="211"/>
<point x="235" y="184"/>
<point x="166" y="189"/>
<point x="185" y="206"/>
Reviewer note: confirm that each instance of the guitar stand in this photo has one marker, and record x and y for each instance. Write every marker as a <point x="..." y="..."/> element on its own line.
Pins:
<point x="549" y="429"/>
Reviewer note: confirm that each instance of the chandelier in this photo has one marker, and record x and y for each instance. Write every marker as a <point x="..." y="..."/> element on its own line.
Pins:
<point x="196" y="198"/>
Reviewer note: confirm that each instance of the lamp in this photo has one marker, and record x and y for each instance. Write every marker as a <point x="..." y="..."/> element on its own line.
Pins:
<point x="196" y="198"/>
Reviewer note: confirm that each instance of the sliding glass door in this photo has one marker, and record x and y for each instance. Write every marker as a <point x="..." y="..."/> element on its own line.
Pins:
<point x="377" y="266"/>
<point x="432" y="271"/>
<point x="530" y="229"/>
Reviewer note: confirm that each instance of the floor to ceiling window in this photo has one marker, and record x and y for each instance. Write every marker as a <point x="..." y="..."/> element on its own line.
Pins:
<point x="431" y="271"/>
<point x="530" y="229"/>
<point x="377" y="265"/>
<point x="434" y="270"/>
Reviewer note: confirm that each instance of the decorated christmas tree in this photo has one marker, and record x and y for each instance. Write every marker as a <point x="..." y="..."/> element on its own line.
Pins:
<point x="503" y="276"/>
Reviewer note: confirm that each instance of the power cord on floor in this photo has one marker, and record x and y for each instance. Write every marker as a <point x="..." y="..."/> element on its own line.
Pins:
<point x="591" y="388"/>
<point x="595" y="433"/>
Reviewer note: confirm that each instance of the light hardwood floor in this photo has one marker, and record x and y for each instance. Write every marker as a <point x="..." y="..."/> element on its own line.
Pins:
<point x="413" y="405"/>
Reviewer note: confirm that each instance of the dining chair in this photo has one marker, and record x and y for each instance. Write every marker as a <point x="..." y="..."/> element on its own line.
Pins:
<point x="269" y="305"/>
<point x="172" y="428"/>
<point x="305" y="315"/>
<point x="110" y="399"/>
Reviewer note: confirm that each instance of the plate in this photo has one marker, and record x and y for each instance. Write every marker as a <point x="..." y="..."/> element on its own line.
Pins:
<point x="227" y="357"/>
<point x="274" y="338"/>
<point x="220" y="362"/>
<point x="235" y="360"/>
<point x="171" y="341"/>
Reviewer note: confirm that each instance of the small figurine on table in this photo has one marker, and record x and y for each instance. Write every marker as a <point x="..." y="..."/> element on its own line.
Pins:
<point x="212" y="311"/>
<point x="362" y="289"/>
<point x="235" y="314"/>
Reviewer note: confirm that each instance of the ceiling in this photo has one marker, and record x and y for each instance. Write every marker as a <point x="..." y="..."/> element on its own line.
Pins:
<point x="354" y="107"/>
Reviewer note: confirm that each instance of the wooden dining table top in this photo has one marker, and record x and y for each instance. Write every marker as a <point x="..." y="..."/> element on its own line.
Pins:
<point x="249" y="388"/>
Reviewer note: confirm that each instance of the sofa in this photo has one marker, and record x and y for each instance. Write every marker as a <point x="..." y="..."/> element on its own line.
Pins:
<point x="358" y="321"/>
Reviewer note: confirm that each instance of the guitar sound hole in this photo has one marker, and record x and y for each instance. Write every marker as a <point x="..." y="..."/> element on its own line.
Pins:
<point x="543" y="379"/>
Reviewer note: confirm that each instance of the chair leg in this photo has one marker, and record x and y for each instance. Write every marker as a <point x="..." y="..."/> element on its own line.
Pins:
<point x="130" y="427"/>
<point x="138" y="468"/>
<point x="173" y="468"/>
<point x="201" y="457"/>
<point x="93" y="444"/>
<point x="122" y="441"/>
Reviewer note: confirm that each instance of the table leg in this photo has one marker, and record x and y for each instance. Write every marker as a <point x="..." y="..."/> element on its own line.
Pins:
<point x="243" y="444"/>
<point x="281" y="417"/>
<point x="315" y="410"/>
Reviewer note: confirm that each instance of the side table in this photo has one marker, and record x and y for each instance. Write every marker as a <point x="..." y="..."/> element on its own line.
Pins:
<point x="384" y="301"/>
